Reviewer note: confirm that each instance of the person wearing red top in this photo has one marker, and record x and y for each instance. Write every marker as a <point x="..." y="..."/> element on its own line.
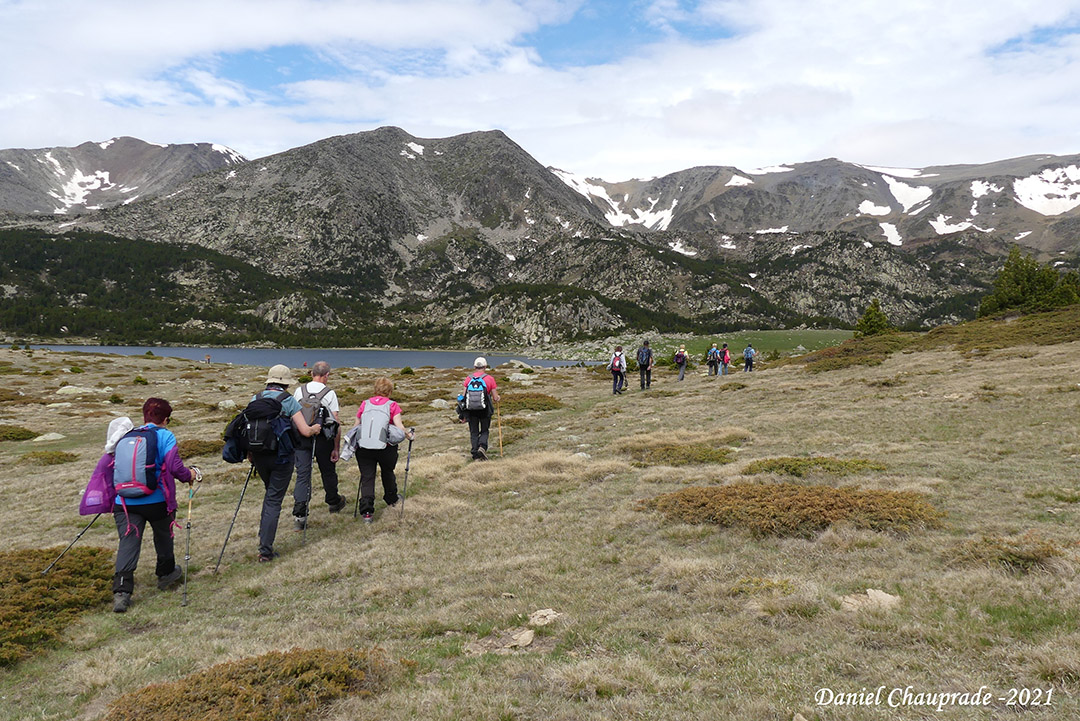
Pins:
<point x="480" y="418"/>
<point x="385" y="458"/>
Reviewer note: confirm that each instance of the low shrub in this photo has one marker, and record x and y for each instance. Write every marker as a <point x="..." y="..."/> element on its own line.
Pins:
<point x="75" y="369"/>
<point x="48" y="458"/>
<point x="800" y="467"/>
<point x="16" y="433"/>
<point x="35" y="609"/>
<point x="114" y="398"/>
<point x="407" y="371"/>
<point x="278" y="685"/>
<point x="786" y="509"/>
<point x="1019" y="554"/>
<point x="140" y="381"/>
<point x="530" y="401"/>
<point x="191" y="447"/>
<point x="677" y="454"/>
<point x="306" y="378"/>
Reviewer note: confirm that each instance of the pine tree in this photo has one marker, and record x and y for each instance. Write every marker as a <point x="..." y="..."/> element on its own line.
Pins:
<point x="873" y="321"/>
<point x="1028" y="286"/>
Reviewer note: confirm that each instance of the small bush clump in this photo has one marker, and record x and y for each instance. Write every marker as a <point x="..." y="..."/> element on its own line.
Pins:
<point x="191" y="447"/>
<point x="306" y="378"/>
<point x="512" y="402"/>
<point x="407" y="371"/>
<point x="35" y="609"/>
<point x="48" y="458"/>
<point x="16" y="433"/>
<point x="800" y="467"/>
<point x="140" y="381"/>
<point x="114" y="398"/>
<point x="277" y="685"/>
<point x="786" y="509"/>
<point x="676" y="454"/>
<point x="75" y="369"/>
<point x="1019" y="554"/>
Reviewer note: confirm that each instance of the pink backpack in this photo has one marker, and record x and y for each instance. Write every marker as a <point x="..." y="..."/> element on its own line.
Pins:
<point x="99" y="494"/>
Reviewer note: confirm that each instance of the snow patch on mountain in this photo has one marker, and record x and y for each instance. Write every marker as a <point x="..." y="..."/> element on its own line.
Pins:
<point x="232" y="155"/>
<point x="773" y="230"/>
<point x="891" y="233"/>
<point x="771" y="169"/>
<point x="908" y="196"/>
<point x="75" y="190"/>
<point x="1023" y="235"/>
<point x="105" y="145"/>
<point x="416" y="148"/>
<point x="728" y="243"/>
<point x="867" y="207"/>
<point x="651" y="218"/>
<point x="943" y="226"/>
<point x="738" y="180"/>
<point x="678" y="247"/>
<point x="1052" y="192"/>
<point x="979" y="188"/>
<point x="13" y="165"/>
<point x="900" y="172"/>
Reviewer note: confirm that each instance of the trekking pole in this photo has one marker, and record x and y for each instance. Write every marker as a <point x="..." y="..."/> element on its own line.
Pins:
<point x="405" y="485"/>
<point x="71" y="544"/>
<point x="498" y="414"/>
<point x="235" y="513"/>
<point x="187" y="547"/>
<point x="310" y="488"/>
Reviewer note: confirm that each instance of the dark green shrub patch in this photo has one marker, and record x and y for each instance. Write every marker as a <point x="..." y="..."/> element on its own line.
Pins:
<point x="35" y="609"/>
<point x="512" y="402"/>
<point x="291" y="685"/>
<point x="676" y="454"/>
<point x="48" y="458"/>
<point x="800" y="467"/>
<point x="1020" y="554"/>
<point x="191" y="447"/>
<point x="786" y="509"/>
<point x="16" y="433"/>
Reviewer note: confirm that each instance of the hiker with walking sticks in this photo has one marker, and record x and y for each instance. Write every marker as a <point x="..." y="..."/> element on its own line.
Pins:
<point x="319" y="404"/>
<point x="481" y="395"/>
<point x="375" y="436"/>
<point x="147" y="465"/>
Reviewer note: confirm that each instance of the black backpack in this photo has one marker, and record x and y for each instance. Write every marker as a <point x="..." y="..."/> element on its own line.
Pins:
<point x="253" y="427"/>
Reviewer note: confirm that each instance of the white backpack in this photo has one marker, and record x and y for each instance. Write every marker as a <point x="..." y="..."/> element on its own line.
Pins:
<point x="374" y="422"/>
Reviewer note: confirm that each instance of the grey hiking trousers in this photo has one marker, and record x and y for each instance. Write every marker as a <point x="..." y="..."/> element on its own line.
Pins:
<point x="276" y="477"/>
<point x="130" y="547"/>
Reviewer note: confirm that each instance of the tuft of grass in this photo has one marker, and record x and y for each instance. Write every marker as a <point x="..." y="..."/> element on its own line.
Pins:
<point x="530" y="401"/>
<point x="35" y="609"/>
<point x="278" y="685"/>
<point x="1018" y="554"/>
<point x="659" y="448"/>
<point x="191" y="447"/>
<point x="140" y="381"/>
<point x="48" y="458"/>
<point x="800" y="467"/>
<point x="16" y="433"/>
<point x="754" y="585"/>
<point x="678" y="454"/>
<point x="114" y="398"/>
<point x="786" y="509"/>
<point x="75" y="369"/>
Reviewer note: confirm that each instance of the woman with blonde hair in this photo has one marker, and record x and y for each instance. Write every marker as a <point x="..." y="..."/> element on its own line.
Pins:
<point x="375" y="447"/>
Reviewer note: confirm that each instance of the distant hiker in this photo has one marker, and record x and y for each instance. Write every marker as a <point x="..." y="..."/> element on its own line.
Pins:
<point x="680" y="361"/>
<point x="274" y="463"/>
<point x="146" y="468"/>
<point x="748" y="357"/>
<point x="617" y="366"/>
<point x="320" y="405"/>
<point x="207" y="359"/>
<point x="712" y="358"/>
<point x="480" y="398"/>
<point x="645" y="364"/>
<point x="376" y="445"/>
<point x="725" y="360"/>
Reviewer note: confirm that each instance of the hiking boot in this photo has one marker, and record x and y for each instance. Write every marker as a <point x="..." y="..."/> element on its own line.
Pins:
<point x="481" y="454"/>
<point x="341" y="503"/>
<point x="268" y="557"/>
<point x="121" y="602"/>
<point x="164" y="582"/>
<point x="368" y="517"/>
<point x="299" y="523"/>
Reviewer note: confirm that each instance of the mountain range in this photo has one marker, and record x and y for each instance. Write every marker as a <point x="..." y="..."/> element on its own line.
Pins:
<point x="472" y="234"/>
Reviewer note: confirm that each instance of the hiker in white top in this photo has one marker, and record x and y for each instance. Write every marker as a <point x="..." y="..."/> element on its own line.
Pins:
<point x="320" y="405"/>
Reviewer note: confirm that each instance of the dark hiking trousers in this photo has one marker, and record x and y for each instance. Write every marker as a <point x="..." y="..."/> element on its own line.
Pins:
<point x="479" y="425"/>
<point x="127" y="553"/>
<point x="327" y="470"/>
<point x="275" y="477"/>
<point x="646" y="376"/>
<point x="386" y="460"/>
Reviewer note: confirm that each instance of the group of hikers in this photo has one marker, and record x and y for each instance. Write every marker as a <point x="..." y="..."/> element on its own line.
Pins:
<point x="276" y="433"/>
<point x="717" y="359"/>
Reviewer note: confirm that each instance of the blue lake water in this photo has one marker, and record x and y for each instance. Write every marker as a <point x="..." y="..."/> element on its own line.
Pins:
<point x="336" y="357"/>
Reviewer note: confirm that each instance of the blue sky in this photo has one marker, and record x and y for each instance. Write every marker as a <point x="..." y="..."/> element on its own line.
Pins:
<point x="597" y="87"/>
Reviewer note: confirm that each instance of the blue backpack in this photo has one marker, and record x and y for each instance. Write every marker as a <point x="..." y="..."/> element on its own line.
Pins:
<point x="476" y="394"/>
<point x="748" y="353"/>
<point x="136" y="471"/>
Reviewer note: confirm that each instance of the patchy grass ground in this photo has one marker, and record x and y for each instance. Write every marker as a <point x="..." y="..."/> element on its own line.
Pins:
<point x="657" y="617"/>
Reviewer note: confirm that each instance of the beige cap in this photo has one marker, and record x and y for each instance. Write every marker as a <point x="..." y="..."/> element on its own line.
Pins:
<point x="480" y="362"/>
<point x="280" y="375"/>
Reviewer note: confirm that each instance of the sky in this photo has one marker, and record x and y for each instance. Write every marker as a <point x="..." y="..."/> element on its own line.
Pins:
<point x="600" y="88"/>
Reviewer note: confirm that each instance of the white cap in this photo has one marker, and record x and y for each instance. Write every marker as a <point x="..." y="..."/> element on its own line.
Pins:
<point x="480" y="362"/>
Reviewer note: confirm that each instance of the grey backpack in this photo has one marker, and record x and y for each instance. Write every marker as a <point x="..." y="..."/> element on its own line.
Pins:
<point x="374" y="422"/>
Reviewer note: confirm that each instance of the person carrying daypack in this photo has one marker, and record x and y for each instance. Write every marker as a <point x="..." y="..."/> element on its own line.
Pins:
<point x="748" y="358"/>
<point x="645" y="364"/>
<point x="481" y="395"/>
<point x="271" y="414"/>
<point x="712" y="358"/>
<point x="617" y="366"/>
<point x="680" y="361"/>
<point x="725" y="360"/>
<point x="375" y="445"/>
<point x="319" y="404"/>
<point x="146" y="466"/>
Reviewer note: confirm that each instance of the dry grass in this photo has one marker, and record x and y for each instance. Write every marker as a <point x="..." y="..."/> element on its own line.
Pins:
<point x="800" y="467"/>
<point x="1020" y="554"/>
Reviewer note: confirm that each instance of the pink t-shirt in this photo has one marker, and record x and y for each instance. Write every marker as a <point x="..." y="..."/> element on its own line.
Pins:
<point x="395" y="409"/>
<point x="488" y="381"/>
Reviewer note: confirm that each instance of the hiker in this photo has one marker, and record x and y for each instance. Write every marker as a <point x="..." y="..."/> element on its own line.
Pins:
<point x="136" y="503"/>
<point x="617" y="366"/>
<point x="712" y="358"/>
<point x="319" y="404"/>
<point x="375" y="446"/>
<point x="725" y="360"/>
<point x="680" y="361"/>
<point x="748" y="358"/>
<point x="275" y="467"/>
<point x="645" y="364"/>
<point x="480" y="397"/>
